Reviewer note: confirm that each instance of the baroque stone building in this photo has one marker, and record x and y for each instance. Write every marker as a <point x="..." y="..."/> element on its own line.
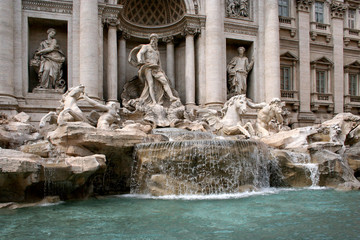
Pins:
<point x="306" y="52"/>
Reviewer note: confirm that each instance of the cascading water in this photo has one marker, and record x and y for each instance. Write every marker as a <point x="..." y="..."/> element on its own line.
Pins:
<point x="199" y="167"/>
<point x="303" y="159"/>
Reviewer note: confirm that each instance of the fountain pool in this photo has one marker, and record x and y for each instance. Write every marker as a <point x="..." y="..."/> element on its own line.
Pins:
<point x="268" y="214"/>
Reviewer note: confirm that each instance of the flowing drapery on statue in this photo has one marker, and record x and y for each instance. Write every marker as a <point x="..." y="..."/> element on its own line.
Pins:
<point x="48" y="61"/>
<point x="238" y="69"/>
<point x="146" y="57"/>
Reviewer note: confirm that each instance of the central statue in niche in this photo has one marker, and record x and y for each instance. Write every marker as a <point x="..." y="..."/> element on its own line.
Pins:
<point x="158" y="101"/>
<point x="156" y="82"/>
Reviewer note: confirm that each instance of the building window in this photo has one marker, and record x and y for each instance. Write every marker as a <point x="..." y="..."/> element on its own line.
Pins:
<point x="321" y="82"/>
<point x="286" y="79"/>
<point x="284" y="8"/>
<point x="351" y="18"/>
<point x="354" y="84"/>
<point x="319" y="12"/>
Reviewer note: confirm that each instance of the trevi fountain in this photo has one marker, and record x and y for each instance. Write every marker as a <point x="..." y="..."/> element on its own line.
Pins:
<point x="151" y="167"/>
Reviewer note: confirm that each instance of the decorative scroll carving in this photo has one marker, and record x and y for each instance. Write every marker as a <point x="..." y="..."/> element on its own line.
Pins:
<point x="238" y="8"/>
<point x="48" y="6"/>
<point x="304" y="5"/>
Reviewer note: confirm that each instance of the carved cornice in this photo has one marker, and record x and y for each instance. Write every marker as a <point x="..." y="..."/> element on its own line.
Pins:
<point x="65" y="7"/>
<point x="110" y="14"/>
<point x="304" y="5"/>
<point x="337" y="9"/>
<point x="231" y="27"/>
<point x="189" y="21"/>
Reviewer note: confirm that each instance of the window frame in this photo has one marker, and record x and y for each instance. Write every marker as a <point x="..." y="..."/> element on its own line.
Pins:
<point x="351" y="22"/>
<point x="354" y="92"/>
<point x="290" y="80"/>
<point x="322" y="84"/>
<point x="283" y="7"/>
<point x="318" y="14"/>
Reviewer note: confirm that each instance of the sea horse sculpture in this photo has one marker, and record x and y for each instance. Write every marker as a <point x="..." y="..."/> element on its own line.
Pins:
<point x="231" y="121"/>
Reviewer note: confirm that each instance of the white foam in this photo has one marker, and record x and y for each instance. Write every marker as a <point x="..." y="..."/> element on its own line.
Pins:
<point x="265" y="191"/>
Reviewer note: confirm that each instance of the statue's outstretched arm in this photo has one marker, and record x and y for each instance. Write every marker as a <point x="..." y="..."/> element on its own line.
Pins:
<point x="95" y="103"/>
<point x="255" y="105"/>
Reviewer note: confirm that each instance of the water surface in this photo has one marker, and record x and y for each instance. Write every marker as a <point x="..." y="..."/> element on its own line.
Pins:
<point x="271" y="214"/>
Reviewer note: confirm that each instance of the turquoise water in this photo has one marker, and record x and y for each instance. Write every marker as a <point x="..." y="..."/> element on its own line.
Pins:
<point x="272" y="214"/>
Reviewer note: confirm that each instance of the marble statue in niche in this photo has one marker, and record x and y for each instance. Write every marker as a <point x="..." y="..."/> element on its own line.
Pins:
<point x="237" y="8"/>
<point x="238" y="70"/>
<point x="47" y="62"/>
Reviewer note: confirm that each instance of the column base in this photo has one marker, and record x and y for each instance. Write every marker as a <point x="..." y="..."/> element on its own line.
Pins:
<point x="305" y="119"/>
<point x="215" y="105"/>
<point x="8" y="105"/>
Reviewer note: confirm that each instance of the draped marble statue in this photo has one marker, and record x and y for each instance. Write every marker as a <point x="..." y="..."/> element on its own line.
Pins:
<point x="48" y="61"/>
<point x="238" y="70"/>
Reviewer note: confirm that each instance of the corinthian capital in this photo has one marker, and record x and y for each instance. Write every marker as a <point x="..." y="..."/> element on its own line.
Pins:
<point x="304" y="5"/>
<point x="110" y="21"/>
<point x="337" y="9"/>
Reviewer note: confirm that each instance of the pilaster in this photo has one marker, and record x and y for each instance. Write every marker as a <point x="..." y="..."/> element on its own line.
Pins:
<point x="305" y="117"/>
<point x="7" y="53"/>
<point x="337" y="15"/>
<point x="272" y="51"/>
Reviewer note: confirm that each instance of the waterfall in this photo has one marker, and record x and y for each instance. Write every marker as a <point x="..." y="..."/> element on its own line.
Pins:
<point x="312" y="169"/>
<point x="199" y="166"/>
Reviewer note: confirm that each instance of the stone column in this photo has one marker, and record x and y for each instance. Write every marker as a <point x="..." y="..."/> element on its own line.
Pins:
<point x="337" y="14"/>
<point x="101" y="58"/>
<point x="200" y="68"/>
<point x="304" y="75"/>
<point x="112" y="75"/>
<point x="214" y="51"/>
<point x="7" y="51"/>
<point x="170" y="60"/>
<point x="76" y="44"/>
<point x="190" y="67"/>
<point x="272" y="50"/>
<point x="122" y="61"/>
<point x="89" y="51"/>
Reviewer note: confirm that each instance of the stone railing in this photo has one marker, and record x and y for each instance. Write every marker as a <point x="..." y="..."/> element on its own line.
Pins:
<point x="288" y="23"/>
<point x="289" y="94"/>
<point x="351" y="34"/>
<point x="320" y="29"/>
<point x="322" y="99"/>
<point x="351" y="102"/>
